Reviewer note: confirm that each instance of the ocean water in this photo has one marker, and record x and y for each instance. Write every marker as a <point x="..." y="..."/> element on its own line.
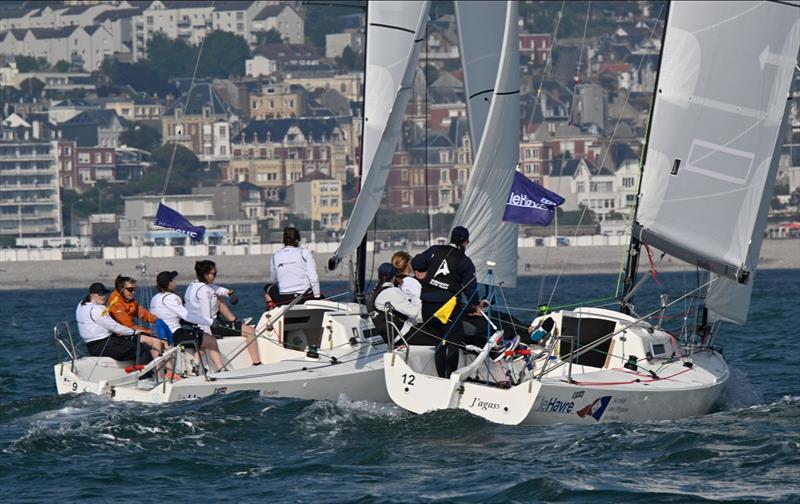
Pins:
<point x="244" y="448"/>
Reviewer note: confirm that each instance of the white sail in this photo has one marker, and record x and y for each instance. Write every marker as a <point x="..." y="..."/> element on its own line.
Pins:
<point x="394" y="37"/>
<point x="481" y="209"/>
<point x="481" y="26"/>
<point x="719" y="107"/>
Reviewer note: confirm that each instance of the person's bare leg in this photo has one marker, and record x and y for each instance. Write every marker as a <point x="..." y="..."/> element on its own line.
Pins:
<point x="157" y="348"/>
<point x="249" y="333"/>
<point x="211" y="348"/>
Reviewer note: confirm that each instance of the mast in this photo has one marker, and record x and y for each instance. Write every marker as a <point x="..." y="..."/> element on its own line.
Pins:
<point x="635" y="245"/>
<point x="359" y="285"/>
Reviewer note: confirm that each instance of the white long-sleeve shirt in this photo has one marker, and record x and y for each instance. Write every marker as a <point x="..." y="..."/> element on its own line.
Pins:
<point x="412" y="288"/>
<point x="201" y="299"/>
<point x="95" y="323"/>
<point x="168" y="306"/>
<point x="294" y="270"/>
<point x="400" y="302"/>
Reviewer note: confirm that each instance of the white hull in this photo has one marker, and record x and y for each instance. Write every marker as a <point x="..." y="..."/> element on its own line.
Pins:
<point x="609" y="394"/>
<point x="350" y="363"/>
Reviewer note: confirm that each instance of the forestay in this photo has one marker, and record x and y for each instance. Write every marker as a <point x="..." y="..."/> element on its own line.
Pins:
<point x="497" y="154"/>
<point x="394" y="37"/>
<point x="719" y="106"/>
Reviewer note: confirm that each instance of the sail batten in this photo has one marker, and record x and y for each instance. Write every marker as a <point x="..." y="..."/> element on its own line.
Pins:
<point x="491" y="70"/>
<point x="394" y="39"/>
<point x="720" y="102"/>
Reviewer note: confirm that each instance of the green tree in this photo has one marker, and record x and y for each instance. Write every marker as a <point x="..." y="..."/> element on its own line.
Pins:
<point x="186" y="168"/>
<point x="140" y="76"/>
<point x="32" y="86"/>
<point x="170" y="58"/>
<point x="224" y="54"/>
<point x="62" y="66"/>
<point x="142" y="137"/>
<point x="348" y="58"/>
<point x="30" y="63"/>
<point x="272" y="36"/>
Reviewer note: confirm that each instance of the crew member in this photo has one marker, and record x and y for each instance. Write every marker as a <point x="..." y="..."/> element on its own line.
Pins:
<point x="448" y="273"/>
<point x="202" y="298"/>
<point x="410" y="280"/>
<point x="168" y="306"/>
<point x="124" y="309"/>
<point x="106" y="337"/>
<point x="293" y="269"/>
<point x="389" y="295"/>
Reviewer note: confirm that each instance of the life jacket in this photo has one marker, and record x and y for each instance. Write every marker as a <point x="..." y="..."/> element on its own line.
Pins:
<point x="444" y="270"/>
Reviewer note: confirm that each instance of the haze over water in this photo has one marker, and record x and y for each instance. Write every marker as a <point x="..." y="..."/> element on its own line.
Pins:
<point x="245" y="448"/>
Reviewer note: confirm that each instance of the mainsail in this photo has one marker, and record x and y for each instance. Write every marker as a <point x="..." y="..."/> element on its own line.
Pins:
<point x="394" y="36"/>
<point x="497" y="143"/>
<point x="719" y="108"/>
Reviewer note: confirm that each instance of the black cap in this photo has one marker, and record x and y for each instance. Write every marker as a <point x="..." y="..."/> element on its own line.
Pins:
<point x="165" y="277"/>
<point x="459" y="235"/>
<point x="98" y="288"/>
<point x="386" y="272"/>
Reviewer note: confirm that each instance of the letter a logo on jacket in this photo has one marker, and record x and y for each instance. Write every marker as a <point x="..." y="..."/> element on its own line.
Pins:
<point x="443" y="269"/>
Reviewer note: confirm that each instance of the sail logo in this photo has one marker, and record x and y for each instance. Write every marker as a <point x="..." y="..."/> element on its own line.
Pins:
<point x="555" y="405"/>
<point x="522" y="200"/>
<point x="596" y="408"/>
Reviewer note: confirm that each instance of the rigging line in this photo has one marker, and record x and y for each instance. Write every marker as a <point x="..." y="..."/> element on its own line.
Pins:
<point x="564" y="154"/>
<point x="186" y="106"/>
<point x="607" y="151"/>
<point x="548" y="64"/>
<point x="427" y="193"/>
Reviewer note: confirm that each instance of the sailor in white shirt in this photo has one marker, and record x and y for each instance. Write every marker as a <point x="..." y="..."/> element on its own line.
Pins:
<point x="168" y="306"/>
<point x="406" y="313"/>
<point x="202" y="299"/>
<point x="106" y="337"/>
<point x="410" y="285"/>
<point x="293" y="269"/>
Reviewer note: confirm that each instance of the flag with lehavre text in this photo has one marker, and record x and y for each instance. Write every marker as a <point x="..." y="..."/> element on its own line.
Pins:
<point x="444" y="312"/>
<point x="171" y="219"/>
<point x="530" y="203"/>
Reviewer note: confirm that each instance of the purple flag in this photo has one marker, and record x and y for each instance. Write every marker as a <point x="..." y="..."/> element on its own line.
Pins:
<point x="169" y="218"/>
<point x="530" y="203"/>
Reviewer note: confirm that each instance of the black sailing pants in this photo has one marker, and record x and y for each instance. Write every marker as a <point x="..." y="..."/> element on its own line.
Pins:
<point x="446" y="356"/>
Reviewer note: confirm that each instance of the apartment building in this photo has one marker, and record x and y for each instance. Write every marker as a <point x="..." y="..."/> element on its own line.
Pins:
<point x="30" y="198"/>
<point x="318" y="197"/>
<point x="85" y="46"/>
<point x="277" y="101"/>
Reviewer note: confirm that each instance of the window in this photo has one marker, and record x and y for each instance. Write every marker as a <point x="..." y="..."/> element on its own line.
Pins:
<point x="223" y="150"/>
<point x="67" y="151"/>
<point x="98" y="157"/>
<point x="580" y="187"/>
<point x="240" y="15"/>
<point x="627" y="182"/>
<point x="222" y="130"/>
<point x="108" y="157"/>
<point x="240" y="26"/>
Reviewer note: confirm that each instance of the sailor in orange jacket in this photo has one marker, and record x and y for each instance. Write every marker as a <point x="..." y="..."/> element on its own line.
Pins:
<point x="123" y="307"/>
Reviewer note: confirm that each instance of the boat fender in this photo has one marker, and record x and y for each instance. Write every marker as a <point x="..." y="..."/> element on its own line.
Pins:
<point x="353" y="341"/>
<point x="688" y="364"/>
<point x="312" y="352"/>
<point x="631" y="364"/>
<point x="334" y="360"/>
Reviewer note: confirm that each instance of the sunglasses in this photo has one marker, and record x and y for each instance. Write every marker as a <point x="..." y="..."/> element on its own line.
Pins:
<point x="130" y="289"/>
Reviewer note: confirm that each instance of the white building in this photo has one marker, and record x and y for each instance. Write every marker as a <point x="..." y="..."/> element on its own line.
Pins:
<point x="137" y="227"/>
<point x="30" y="199"/>
<point x="85" y="46"/>
<point x="259" y="66"/>
<point x="336" y="42"/>
<point x="282" y="18"/>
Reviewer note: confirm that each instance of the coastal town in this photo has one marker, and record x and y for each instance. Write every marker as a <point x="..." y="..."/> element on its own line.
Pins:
<point x="246" y="116"/>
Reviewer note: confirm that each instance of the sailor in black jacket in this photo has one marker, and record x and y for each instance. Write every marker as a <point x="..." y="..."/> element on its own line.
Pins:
<point x="448" y="272"/>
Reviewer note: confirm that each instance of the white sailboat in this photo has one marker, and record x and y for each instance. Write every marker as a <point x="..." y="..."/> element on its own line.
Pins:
<point x="316" y="350"/>
<point x="706" y="183"/>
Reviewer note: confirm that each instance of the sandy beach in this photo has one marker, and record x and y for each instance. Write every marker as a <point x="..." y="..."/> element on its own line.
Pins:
<point x="775" y="254"/>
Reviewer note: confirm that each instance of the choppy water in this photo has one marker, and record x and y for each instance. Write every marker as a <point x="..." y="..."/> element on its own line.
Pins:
<point x="245" y="448"/>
